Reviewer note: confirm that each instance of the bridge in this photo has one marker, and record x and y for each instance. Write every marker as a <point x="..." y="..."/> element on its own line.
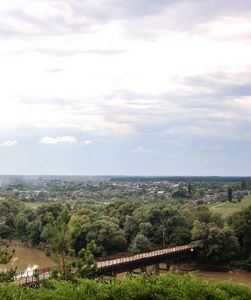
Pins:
<point x="120" y="264"/>
<point x="142" y="260"/>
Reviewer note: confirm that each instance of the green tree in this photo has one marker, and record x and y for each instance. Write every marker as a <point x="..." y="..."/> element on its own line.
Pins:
<point x="230" y="194"/>
<point x="217" y="245"/>
<point x="243" y="184"/>
<point x="21" y="225"/>
<point x="4" y="231"/>
<point x="34" y="232"/>
<point x="108" y="236"/>
<point x="189" y="188"/>
<point x="203" y="213"/>
<point x="140" y="242"/>
<point x="240" y="222"/>
<point x="164" y="218"/>
<point x="84" y="264"/>
<point x="180" y="193"/>
<point x="5" y="257"/>
<point x="60" y="236"/>
<point x="180" y="236"/>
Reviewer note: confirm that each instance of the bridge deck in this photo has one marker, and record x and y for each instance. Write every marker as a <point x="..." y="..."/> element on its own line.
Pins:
<point x="125" y="264"/>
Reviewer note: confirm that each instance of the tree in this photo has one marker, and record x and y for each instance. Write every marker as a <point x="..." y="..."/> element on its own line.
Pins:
<point x="6" y="257"/>
<point x="180" y="193"/>
<point x="240" y="222"/>
<point x="108" y="236"/>
<point x="21" y="224"/>
<point x="223" y="245"/>
<point x="180" y="236"/>
<point x="60" y="237"/>
<point x="34" y="232"/>
<point x="164" y="219"/>
<point x="4" y="231"/>
<point x="203" y="213"/>
<point x="216" y="245"/>
<point x="140" y="242"/>
<point x="84" y="265"/>
<point x="243" y="184"/>
<point x="189" y="189"/>
<point x="230" y="194"/>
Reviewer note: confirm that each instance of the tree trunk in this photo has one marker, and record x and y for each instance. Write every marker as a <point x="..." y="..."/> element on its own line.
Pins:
<point x="63" y="260"/>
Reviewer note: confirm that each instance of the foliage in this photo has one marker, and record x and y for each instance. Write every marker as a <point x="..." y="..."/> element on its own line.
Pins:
<point x="140" y="242"/>
<point x="169" y="286"/>
<point x="60" y="236"/>
<point x="230" y="194"/>
<point x="84" y="264"/>
<point x="107" y="235"/>
<point x="218" y="246"/>
<point x="21" y="225"/>
<point x="240" y="222"/>
<point x="180" y="236"/>
<point x="180" y="193"/>
<point x="247" y="264"/>
<point x="5" y="257"/>
<point x="164" y="219"/>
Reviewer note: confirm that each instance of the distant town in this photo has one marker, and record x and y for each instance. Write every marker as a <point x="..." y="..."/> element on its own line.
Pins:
<point x="104" y="190"/>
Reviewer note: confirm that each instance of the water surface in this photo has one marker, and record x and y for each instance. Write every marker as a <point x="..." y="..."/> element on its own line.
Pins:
<point x="27" y="259"/>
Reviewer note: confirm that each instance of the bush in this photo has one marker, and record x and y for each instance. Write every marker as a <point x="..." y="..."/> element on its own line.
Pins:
<point x="169" y="286"/>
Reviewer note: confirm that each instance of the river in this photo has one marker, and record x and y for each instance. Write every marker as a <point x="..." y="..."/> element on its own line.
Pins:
<point x="237" y="277"/>
<point x="27" y="259"/>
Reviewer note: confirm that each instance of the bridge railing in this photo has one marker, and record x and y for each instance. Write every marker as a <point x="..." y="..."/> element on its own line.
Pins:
<point x="127" y="259"/>
<point x="128" y="254"/>
<point x="29" y="273"/>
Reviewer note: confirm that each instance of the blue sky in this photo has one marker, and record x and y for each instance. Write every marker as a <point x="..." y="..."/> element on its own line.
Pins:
<point x="125" y="87"/>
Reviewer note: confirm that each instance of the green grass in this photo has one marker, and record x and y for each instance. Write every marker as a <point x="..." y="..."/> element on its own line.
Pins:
<point x="228" y="208"/>
<point x="34" y="205"/>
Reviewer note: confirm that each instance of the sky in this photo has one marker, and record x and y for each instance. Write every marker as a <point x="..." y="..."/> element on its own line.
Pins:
<point x="133" y="87"/>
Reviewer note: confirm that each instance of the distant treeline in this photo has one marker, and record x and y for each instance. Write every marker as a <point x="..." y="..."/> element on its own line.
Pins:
<point x="178" y="179"/>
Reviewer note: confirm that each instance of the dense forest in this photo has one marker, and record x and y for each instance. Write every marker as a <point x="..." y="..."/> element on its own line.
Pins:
<point x="132" y="225"/>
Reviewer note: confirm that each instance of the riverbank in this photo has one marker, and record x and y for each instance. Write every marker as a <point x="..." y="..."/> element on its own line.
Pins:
<point x="19" y="243"/>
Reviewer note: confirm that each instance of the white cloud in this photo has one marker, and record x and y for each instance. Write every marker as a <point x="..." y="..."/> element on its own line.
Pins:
<point x="9" y="143"/>
<point x="87" y="142"/>
<point x="140" y="149"/>
<point x="62" y="139"/>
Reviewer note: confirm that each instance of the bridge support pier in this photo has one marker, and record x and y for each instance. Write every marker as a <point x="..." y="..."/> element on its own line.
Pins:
<point x="156" y="270"/>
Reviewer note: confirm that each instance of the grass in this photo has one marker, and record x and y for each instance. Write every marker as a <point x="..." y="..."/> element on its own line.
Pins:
<point x="34" y="205"/>
<point x="228" y="208"/>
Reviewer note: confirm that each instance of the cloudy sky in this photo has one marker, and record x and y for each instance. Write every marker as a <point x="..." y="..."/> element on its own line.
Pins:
<point x="135" y="87"/>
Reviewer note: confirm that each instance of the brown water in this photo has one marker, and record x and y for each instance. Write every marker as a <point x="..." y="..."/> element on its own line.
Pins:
<point x="27" y="259"/>
<point x="236" y="277"/>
